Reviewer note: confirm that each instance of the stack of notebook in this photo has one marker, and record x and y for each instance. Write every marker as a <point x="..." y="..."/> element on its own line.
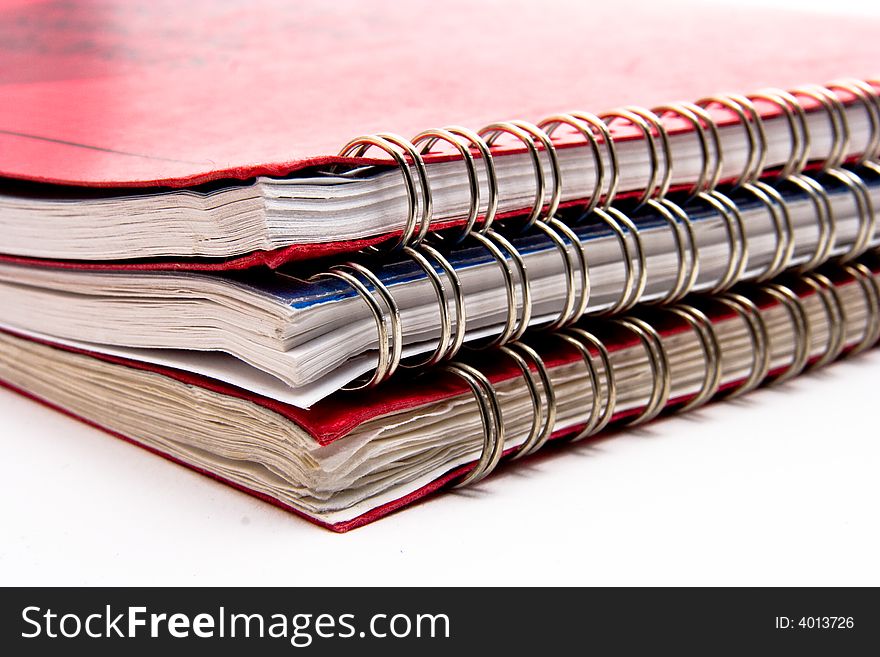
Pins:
<point x="199" y="255"/>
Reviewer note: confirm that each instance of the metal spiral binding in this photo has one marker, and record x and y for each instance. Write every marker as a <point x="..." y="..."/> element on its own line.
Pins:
<point x="705" y="331"/>
<point x="827" y="228"/>
<point x="868" y="97"/>
<point x="736" y="237"/>
<point x="795" y="308"/>
<point x="781" y="222"/>
<point x="835" y="313"/>
<point x="871" y="290"/>
<point x="543" y="420"/>
<point x="796" y="118"/>
<point x="867" y="219"/>
<point x="517" y="322"/>
<point x="603" y="388"/>
<point x="635" y="284"/>
<point x="527" y="137"/>
<point x="756" y="136"/>
<point x="585" y="124"/>
<point x="596" y="137"/>
<point x="836" y="112"/>
<point x="575" y="268"/>
<point x="748" y="311"/>
<point x="389" y="332"/>
<point x="598" y="419"/>
<point x="447" y="287"/>
<point x="359" y="146"/>
<point x="647" y="122"/>
<point x="582" y="341"/>
<point x="706" y="130"/>
<point x="680" y="224"/>
<point x="490" y="415"/>
<point x="592" y="128"/>
<point x="659" y="363"/>
<point x="449" y="343"/>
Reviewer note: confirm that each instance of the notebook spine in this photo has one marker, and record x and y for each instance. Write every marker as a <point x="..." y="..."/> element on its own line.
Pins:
<point x="447" y="286"/>
<point x="593" y="132"/>
<point x="605" y="388"/>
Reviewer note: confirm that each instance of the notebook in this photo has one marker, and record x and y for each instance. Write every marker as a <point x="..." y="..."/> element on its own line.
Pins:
<point x="343" y="256"/>
<point x="353" y="458"/>
<point x="354" y="324"/>
<point x="135" y="135"/>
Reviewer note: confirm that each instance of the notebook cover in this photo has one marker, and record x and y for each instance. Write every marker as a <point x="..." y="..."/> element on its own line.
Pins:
<point x="137" y="93"/>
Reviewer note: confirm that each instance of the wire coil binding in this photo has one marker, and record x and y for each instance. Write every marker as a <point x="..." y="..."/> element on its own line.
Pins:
<point x="594" y="134"/>
<point x="602" y="383"/>
<point x="623" y="228"/>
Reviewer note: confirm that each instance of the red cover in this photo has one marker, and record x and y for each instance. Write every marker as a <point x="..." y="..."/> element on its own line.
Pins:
<point x="138" y="93"/>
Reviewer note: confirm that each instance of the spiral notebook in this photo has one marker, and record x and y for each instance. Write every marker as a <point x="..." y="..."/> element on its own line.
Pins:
<point x="355" y="323"/>
<point x="129" y="140"/>
<point x="352" y="459"/>
<point x="200" y="254"/>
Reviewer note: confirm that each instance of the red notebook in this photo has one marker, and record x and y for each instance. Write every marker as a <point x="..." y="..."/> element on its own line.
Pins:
<point x="106" y="101"/>
<point x="351" y="459"/>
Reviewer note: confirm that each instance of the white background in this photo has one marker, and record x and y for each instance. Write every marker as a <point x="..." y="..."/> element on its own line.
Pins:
<point x="779" y="488"/>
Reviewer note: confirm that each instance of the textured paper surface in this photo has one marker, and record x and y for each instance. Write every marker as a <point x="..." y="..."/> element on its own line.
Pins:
<point x="138" y="93"/>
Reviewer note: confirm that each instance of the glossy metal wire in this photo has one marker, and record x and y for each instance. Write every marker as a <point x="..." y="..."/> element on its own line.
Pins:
<point x="595" y="134"/>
